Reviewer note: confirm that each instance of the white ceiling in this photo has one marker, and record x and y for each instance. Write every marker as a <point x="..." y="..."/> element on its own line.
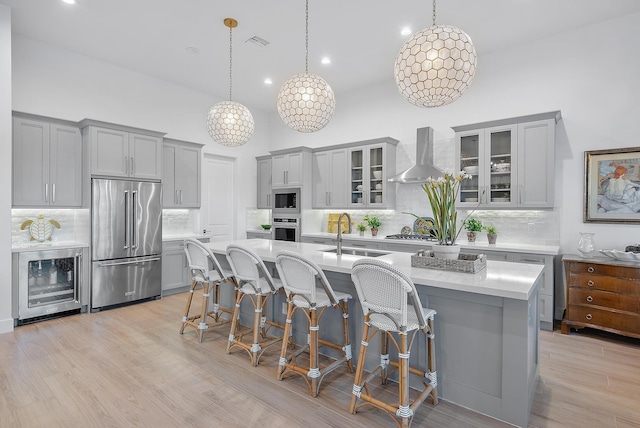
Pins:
<point x="362" y="37"/>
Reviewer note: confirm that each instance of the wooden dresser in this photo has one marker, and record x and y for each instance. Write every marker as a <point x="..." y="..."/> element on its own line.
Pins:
<point x="603" y="294"/>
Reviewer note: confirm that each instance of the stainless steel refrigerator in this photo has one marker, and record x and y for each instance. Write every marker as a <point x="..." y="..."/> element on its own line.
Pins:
<point x="126" y="241"/>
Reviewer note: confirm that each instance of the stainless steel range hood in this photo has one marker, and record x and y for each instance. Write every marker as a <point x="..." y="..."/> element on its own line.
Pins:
<point x="424" y="167"/>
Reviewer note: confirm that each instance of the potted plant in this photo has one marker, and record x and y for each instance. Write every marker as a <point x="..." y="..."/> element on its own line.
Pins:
<point x="361" y="228"/>
<point x="473" y="226"/>
<point x="374" y="223"/>
<point x="492" y="234"/>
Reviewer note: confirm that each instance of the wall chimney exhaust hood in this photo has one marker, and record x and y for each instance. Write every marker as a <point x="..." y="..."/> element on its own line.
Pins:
<point x="424" y="167"/>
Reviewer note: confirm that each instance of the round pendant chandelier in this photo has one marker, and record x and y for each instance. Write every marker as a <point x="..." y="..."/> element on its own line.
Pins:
<point x="436" y="65"/>
<point x="305" y="101"/>
<point x="228" y="122"/>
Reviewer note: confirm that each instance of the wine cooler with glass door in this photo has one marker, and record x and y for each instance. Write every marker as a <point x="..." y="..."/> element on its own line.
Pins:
<point x="49" y="283"/>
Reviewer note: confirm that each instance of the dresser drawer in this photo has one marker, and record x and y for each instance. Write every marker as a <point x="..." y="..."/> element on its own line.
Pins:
<point x="603" y="318"/>
<point x="605" y="283"/>
<point x="605" y="270"/>
<point x="582" y="296"/>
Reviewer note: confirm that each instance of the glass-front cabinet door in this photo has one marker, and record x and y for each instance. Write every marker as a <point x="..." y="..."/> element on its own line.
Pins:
<point x="357" y="174"/>
<point x="376" y="176"/>
<point x="470" y="145"/>
<point x="367" y="169"/>
<point x="500" y="149"/>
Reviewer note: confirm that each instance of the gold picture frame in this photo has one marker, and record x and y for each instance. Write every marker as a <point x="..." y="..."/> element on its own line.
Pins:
<point x="612" y="186"/>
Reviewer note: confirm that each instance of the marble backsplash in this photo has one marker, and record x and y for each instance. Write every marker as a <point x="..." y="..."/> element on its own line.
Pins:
<point x="74" y="224"/>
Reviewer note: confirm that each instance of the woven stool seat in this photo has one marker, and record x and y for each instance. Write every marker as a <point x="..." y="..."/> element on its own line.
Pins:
<point x="309" y="291"/>
<point x="207" y="273"/>
<point x="392" y="307"/>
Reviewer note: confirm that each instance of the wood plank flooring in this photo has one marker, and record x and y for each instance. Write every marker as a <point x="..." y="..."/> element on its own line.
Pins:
<point x="129" y="367"/>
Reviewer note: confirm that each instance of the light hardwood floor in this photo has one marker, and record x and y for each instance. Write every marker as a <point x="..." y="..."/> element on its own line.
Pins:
<point x="130" y="367"/>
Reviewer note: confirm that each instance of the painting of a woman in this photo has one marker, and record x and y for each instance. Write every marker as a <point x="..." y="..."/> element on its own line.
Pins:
<point x="616" y="193"/>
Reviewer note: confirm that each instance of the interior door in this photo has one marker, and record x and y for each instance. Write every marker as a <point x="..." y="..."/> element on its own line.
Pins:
<point x="218" y="203"/>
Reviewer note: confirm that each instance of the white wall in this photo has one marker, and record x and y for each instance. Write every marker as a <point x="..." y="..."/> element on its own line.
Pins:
<point x="52" y="82"/>
<point x="6" y="321"/>
<point x="590" y="74"/>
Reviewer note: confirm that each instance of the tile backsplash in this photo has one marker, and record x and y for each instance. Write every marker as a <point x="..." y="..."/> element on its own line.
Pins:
<point x="74" y="224"/>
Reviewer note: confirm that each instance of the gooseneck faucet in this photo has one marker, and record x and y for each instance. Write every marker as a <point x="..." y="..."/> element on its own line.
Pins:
<point x="339" y="237"/>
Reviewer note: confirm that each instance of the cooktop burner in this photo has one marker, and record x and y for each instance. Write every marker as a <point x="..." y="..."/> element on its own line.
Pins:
<point x="412" y="237"/>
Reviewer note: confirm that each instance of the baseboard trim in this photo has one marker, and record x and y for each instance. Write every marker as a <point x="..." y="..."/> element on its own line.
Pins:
<point x="6" y="326"/>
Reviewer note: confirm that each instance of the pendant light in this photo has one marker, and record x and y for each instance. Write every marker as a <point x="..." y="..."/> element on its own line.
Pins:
<point x="305" y="101"/>
<point x="436" y="65"/>
<point x="228" y="122"/>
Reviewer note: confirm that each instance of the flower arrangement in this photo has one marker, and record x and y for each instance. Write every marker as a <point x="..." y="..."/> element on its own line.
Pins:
<point x="442" y="193"/>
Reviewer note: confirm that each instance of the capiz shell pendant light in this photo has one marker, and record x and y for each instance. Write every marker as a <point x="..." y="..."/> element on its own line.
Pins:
<point x="436" y="65"/>
<point x="305" y="101"/>
<point x="228" y="122"/>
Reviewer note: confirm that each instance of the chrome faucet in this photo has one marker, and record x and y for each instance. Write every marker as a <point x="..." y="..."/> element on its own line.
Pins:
<point x="339" y="237"/>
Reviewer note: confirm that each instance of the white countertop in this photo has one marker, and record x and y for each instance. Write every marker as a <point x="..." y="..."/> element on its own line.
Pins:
<point x="550" y="250"/>
<point x="183" y="236"/>
<point x="47" y="245"/>
<point x="500" y="279"/>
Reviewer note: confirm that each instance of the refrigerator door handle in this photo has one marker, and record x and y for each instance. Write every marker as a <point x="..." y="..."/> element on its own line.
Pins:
<point x="106" y="264"/>
<point x="76" y="275"/>
<point x="134" y="217"/>
<point x="126" y="219"/>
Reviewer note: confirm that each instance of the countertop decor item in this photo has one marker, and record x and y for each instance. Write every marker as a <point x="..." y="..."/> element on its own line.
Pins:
<point x="406" y="230"/>
<point x="473" y="226"/>
<point x="40" y="229"/>
<point x="305" y="101"/>
<point x="361" y="228"/>
<point x="436" y="65"/>
<point x="374" y="223"/>
<point x="625" y="256"/>
<point x="237" y="131"/>
<point x="492" y="234"/>
<point x="266" y="226"/>
<point x="633" y="248"/>
<point x="586" y="245"/>
<point x="470" y="263"/>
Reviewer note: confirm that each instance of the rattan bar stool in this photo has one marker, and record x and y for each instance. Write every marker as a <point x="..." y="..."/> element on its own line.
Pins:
<point x="253" y="280"/>
<point x="392" y="307"/>
<point x="309" y="291"/>
<point x="207" y="273"/>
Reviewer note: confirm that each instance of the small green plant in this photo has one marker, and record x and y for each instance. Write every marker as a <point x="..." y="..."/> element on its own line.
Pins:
<point x="373" y="221"/>
<point x="491" y="230"/>
<point x="361" y="227"/>
<point x="472" y="224"/>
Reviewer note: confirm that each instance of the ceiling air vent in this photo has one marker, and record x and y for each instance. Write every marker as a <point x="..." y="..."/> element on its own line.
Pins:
<point x="258" y="41"/>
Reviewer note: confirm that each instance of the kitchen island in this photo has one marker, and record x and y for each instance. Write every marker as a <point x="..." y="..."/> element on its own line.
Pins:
<point x="486" y="327"/>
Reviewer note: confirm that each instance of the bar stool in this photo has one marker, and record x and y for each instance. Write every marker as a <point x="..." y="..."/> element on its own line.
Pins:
<point x="309" y="290"/>
<point x="253" y="280"/>
<point x="391" y="306"/>
<point x="206" y="272"/>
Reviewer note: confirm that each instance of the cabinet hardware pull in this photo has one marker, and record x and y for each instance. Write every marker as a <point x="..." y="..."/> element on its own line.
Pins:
<point x="126" y="165"/>
<point x="590" y="283"/>
<point x="588" y="316"/>
<point x="133" y="166"/>
<point x="53" y="192"/>
<point x="589" y="299"/>
<point x="175" y="198"/>
<point x="590" y="269"/>
<point x="46" y="192"/>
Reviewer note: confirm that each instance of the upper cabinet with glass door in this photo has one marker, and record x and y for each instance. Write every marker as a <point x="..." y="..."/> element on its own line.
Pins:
<point x="505" y="159"/>
<point x="370" y="166"/>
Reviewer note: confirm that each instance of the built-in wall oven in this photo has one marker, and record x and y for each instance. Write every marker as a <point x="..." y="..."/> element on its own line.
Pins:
<point x="49" y="282"/>
<point x="286" y="201"/>
<point x="286" y="228"/>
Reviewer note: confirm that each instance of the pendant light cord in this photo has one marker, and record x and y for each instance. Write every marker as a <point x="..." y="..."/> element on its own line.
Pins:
<point x="306" y="41"/>
<point x="230" y="61"/>
<point x="434" y="13"/>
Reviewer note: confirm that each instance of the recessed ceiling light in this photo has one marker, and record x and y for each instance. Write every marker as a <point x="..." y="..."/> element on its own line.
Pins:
<point x="326" y="60"/>
<point x="69" y="1"/>
<point x="268" y="81"/>
<point x="406" y="31"/>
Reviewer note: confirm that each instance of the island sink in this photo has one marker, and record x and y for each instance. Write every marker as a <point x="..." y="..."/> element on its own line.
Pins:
<point x="357" y="252"/>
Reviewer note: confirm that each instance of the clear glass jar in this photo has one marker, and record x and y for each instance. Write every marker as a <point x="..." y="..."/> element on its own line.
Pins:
<point x="586" y="244"/>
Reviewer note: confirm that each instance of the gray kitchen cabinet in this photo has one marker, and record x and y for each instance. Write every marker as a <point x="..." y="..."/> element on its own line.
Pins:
<point x="264" y="182"/>
<point x="511" y="162"/>
<point x="355" y="243"/>
<point x="330" y="179"/>
<point x="175" y="271"/>
<point x="370" y="166"/>
<point x="546" y="295"/>
<point x="258" y="235"/>
<point x="318" y="240"/>
<point x="288" y="167"/>
<point x="118" y="151"/>
<point x="181" y="166"/>
<point x="47" y="163"/>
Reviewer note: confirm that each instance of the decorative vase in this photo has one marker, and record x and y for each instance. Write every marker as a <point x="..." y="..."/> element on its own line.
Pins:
<point x="374" y="231"/>
<point x="492" y="237"/>
<point x="362" y="233"/>
<point x="586" y="245"/>
<point x="471" y="236"/>
<point x="446" y="251"/>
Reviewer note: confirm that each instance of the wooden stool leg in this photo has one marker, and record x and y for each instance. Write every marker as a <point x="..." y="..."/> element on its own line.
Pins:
<point x="257" y="330"/>
<point x="285" y="341"/>
<point x="404" y="411"/>
<point x="357" y="382"/>
<point x="384" y="354"/>
<point x="314" y="371"/>
<point x="431" y="352"/>
<point x="186" y="309"/>
<point x="205" y="308"/>
<point x="234" y="321"/>
<point x="345" y="331"/>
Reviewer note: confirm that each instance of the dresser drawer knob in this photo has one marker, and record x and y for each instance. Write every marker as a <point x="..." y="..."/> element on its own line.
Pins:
<point x="588" y="317"/>
<point x="590" y="283"/>
<point x="590" y="269"/>
<point x="589" y="299"/>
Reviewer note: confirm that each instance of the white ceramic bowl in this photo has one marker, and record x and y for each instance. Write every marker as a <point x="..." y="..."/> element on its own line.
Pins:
<point x="626" y="256"/>
<point x="471" y="169"/>
<point x="377" y="175"/>
<point x="503" y="167"/>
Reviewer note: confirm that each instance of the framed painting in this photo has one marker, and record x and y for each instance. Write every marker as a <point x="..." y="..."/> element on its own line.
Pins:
<point x="612" y="186"/>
